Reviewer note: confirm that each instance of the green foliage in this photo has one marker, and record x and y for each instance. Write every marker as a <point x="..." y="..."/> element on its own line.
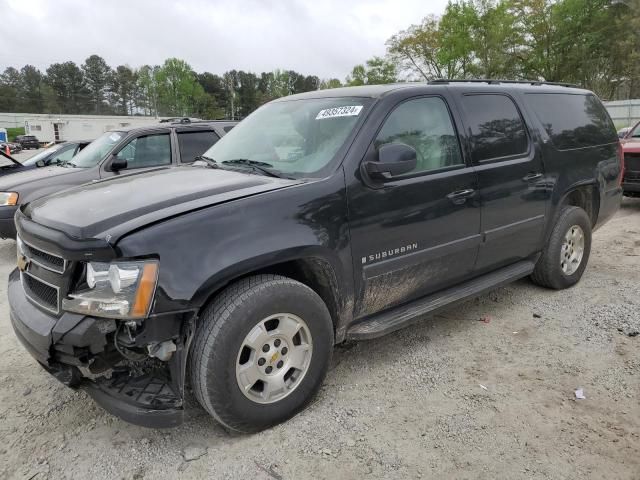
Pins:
<point x="12" y="133"/>
<point x="67" y="82"/>
<point x="587" y="42"/>
<point x="170" y="89"/>
<point x="377" y="70"/>
<point x="178" y="89"/>
<point x="330" y="83"/>
<point x="97" y="75"/>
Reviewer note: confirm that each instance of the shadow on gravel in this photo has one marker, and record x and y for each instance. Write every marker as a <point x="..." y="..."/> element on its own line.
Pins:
<point x="630" y="204"/>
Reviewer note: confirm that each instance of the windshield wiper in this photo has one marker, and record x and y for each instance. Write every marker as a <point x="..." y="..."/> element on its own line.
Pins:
<point x="208" y="160"/>
<point x="67" y="163"/>
<point x="262" y="167"/>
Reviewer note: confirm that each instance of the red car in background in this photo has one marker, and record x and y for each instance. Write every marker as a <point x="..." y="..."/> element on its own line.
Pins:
<point x="631" y="151"/>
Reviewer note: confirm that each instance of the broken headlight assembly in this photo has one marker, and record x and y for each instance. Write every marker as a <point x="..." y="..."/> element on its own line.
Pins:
<point x="122" y="290"/>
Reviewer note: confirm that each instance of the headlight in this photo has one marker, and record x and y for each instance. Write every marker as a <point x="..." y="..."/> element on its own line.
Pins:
<point x="8" y="199"/>
<point x="116" y="290"/>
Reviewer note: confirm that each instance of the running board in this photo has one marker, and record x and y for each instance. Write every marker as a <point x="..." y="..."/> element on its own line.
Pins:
<point x="399" y="317"/>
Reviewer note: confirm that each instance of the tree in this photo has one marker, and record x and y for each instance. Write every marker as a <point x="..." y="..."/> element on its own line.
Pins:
<point x="178" y="90"/>
<point x="9" y="90"/>
<point x="67" y="82"/>
<point x="230" y="81"/>
<point x="247" y="89"/>
<point x="122" y="89"/>
<point x="97" y="76"/>
<point x="329" y="83"/>
<point x="376" y="71"/>
<point x="416" y="51"/>
<point x="216" y="95"/>
<point x="147" y="90"/>
<point x="455" y="34"/>
<point x="495" y="40"/>
<point x="32" y="82"/>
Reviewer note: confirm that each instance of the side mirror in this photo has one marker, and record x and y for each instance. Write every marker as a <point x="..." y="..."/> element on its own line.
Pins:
<point x="117" y="163"/>
<point x="40" y="164"/>
<point x="393" y="159"/>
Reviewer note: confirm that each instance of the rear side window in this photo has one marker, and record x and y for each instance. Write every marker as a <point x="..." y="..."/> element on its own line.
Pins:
<point x="573" y="121"/>
<point x="496" y="128"/>
<point x="193" y="144"/>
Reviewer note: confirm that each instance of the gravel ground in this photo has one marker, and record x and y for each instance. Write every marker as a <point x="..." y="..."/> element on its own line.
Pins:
<point x="452" y="397"/>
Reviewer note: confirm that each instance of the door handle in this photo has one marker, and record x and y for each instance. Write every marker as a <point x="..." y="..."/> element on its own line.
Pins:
<point x="460" y="196"/>
<point x="530" y="177"/>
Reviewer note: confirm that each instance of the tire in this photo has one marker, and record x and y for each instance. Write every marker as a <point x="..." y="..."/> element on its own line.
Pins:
<point x="553" y="270"/>
<point x="219" y="348"/>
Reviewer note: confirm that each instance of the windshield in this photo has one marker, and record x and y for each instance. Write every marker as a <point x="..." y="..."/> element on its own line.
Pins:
<point x="91" y="155"/>
<point x="297" y="137"/>
<point x="635" y="133"/>
<point x="43" y="154"/>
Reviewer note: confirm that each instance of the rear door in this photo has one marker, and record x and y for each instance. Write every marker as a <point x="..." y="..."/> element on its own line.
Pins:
<point x="418" y="232"/>
<point x="511" y="179"/>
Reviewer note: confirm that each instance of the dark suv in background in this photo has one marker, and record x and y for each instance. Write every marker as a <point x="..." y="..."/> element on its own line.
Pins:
<point x="27" y="141"/>
<point x="326" y="216"/>
<point x="119" y="152"/>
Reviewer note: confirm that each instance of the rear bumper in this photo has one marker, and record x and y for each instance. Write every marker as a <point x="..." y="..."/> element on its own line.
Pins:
<point x="68" y="346"/>
<point x="631" y="186"/>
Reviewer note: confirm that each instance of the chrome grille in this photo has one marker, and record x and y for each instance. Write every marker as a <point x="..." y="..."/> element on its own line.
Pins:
<point x="43" y="258"/>
<point x="42" y="275"/>
<point x="41" y="293"/>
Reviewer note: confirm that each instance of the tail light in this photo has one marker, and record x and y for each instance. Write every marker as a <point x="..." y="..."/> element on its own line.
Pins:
<point x="621" y="158"/>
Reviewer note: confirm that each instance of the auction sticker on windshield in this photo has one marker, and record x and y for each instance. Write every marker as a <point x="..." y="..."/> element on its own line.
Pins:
<point x="346" y="111"/>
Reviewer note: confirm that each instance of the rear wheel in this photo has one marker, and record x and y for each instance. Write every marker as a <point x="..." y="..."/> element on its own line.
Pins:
<point x="565" y="256"/>
<point x="260" y="352"/>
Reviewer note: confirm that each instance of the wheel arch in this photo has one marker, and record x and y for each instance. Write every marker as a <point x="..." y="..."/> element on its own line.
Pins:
<point x="311" y="268"/>
<point x="586" y="197"/>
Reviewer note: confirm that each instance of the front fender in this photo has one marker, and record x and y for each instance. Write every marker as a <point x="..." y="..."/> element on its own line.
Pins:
<point x="202" y="251"/>
<point x="264" y="261"/>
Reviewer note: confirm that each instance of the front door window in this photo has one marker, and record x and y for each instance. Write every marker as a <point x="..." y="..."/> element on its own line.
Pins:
<point x="147" y="151"/>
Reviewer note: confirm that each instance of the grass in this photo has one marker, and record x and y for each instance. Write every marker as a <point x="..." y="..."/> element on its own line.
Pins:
<point x="12" y="133"/>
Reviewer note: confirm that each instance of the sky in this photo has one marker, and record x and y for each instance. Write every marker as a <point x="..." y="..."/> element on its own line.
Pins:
<point x="315" y="37"/>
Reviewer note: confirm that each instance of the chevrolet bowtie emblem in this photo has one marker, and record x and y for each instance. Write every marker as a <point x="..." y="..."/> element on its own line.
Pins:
<point x="23" y="263"/>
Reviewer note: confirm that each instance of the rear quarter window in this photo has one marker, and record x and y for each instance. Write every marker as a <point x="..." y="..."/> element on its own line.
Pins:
<point x="573" y="120"/>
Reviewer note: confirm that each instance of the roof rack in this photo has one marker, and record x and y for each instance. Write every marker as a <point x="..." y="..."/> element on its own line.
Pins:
<point x="491" y="81"/>
<point x="189" y="121"/>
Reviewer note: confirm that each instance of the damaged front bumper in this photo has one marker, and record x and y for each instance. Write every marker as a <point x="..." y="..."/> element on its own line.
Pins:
<point x="91" y="353"/>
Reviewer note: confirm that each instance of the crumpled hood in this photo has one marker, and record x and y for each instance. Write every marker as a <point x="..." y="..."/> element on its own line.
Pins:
<point x="110" y="208"/>
<point x="13" y="182"/>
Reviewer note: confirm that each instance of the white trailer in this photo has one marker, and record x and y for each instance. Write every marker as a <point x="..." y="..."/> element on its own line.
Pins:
<point x="50" y="128"/>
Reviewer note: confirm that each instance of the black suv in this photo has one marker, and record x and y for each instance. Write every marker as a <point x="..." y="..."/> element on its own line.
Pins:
<point x="125" y="151"/>
<point x="326" y="216"/>
<point x="27" y="141"/>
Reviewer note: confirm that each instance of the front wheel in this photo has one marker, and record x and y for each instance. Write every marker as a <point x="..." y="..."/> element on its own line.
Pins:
<point x="565" y="256"/>
<point x="260" y="352"/>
